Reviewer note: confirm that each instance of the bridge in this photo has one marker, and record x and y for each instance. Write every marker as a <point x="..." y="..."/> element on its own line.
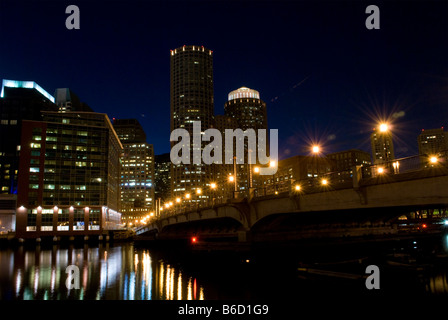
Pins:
<point x="377" y="201"/>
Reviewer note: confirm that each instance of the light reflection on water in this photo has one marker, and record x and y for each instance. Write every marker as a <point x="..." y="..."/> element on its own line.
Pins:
<point x="106" y="272"/>
<point x="123" y="272"/>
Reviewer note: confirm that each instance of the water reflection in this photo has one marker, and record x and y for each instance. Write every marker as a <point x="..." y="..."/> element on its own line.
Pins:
<point x="106" y="272"/>
<point x="124" y="272"/>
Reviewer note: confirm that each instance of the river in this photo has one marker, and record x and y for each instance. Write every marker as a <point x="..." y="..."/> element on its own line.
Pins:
<point x="128" y="271"/>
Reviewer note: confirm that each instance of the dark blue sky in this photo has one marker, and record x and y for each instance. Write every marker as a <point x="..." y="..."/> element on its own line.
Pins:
<point x="322" y="74"/>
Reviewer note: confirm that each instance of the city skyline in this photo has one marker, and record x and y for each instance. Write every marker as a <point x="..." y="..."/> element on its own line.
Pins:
<point x="327" y="72"/>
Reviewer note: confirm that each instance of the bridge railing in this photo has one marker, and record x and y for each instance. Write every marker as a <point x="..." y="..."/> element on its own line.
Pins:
<point x="406" y="165"/>
<point x="321" y="183"/>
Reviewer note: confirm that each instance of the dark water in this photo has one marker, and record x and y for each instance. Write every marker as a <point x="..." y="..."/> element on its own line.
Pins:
<point x="134" y="272"/>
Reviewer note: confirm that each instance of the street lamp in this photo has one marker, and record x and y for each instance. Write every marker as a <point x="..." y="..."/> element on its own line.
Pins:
<point x="384" y="127"/>
<point x="324" y="182"/>
<point x="433" y="159"/>
<point x="213" y="186"/>
<point x="316" y="149"/>
<point x="297" y="187"/>
<point x="380" y="170"/>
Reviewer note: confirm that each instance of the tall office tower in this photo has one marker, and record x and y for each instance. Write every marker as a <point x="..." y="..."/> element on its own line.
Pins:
<point x="19" y="100"/>
<point x="433" y="142"/>
<point x="69" y="175"/>
<point x="162" y="177"/>
<point x="67" y="100"/>
<point x="382" y="145"/>
<point x="249" y="111"/>
<point x="191" y="100"/>
<point x="137" y="170"/>
<point x="245" y="106"/>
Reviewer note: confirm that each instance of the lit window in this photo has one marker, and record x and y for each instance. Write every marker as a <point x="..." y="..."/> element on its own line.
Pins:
<point x="34" y="169"/>
<point x="35" y="145"/>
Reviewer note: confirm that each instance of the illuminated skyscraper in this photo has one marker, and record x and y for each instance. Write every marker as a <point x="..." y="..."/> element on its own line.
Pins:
<point x="246" y="108"/>
<point x="20" y="100"/>
<point x="137" y="170"/>
<point x="69" y="175"/>
<point x="191" y="100"/>
<point x="382" y="145"/>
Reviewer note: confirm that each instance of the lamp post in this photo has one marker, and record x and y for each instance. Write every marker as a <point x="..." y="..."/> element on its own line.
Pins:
<point x="213" y="186"/>
<point x="198" y="192"/>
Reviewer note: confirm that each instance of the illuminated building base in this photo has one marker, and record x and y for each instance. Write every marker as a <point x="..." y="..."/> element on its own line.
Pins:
<point x="65" y="221"/>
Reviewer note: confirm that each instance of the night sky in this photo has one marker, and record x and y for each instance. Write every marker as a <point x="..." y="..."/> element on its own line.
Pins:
<point x="324" y="76"/>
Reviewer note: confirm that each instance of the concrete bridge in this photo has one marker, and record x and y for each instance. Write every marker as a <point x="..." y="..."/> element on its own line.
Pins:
<point x="365" y="206"/>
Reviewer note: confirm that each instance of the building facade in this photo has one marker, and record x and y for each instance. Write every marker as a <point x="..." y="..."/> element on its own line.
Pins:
<point x="20" y="100"/>
<point x="304" y="170"/>
<point x="344" y="161"/>
<point x="162" y="177"/>
<point x="433" y="142"/>
<point x="137" y="171"/>
<point x="191" y="99"/>
<point x="69" y="176"/>
<point x="382" y="146"/>
<point x="248" y="111"/>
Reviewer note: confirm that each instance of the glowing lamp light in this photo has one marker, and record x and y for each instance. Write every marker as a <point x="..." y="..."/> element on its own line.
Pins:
<point x="213" y="185"/>
<point x="445" y="222"/>
<point x="297" y="187"/>
<point x="194" y="239"/>
<point x="324" y="182"/>
<point x="187" y="196"/>
<point x="384" y="127"/>
<point x="424" y="226"/>
<point x="272" y="164"/>
<point x="316" y="149"/>
<point x="231" y="178"/>
<point x="177" y="200"/>
<point x="433" y="159"/>
<point x="198" y="191"/>
<point x="257" y="169"/>
<point x="380" y="170"/>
